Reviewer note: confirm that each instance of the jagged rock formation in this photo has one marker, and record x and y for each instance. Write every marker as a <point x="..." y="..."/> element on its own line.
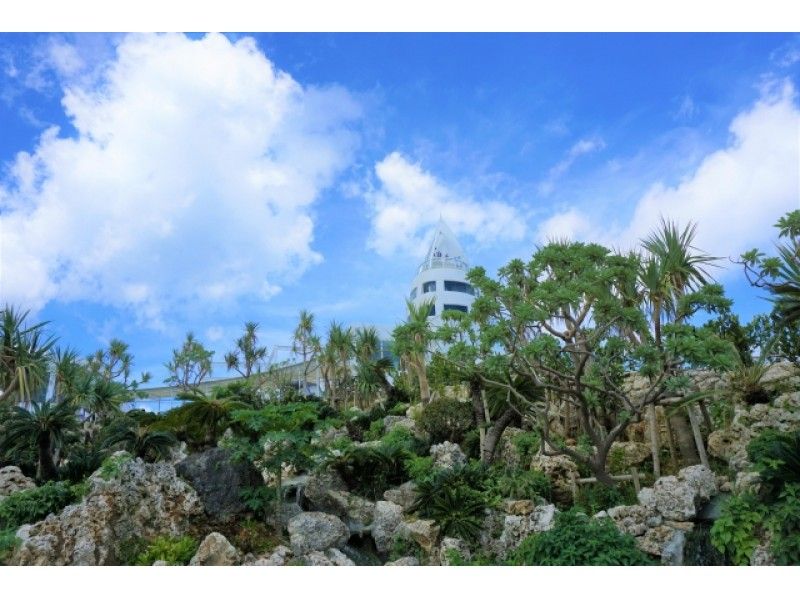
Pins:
<point x="447" y="455"/>
<point x="315" y="531"/>
<point x="215" y="550"/>
<point x="13" y="480"/>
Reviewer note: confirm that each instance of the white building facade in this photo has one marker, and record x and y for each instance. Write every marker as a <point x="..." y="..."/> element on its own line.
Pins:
<point x="441" y="278"/>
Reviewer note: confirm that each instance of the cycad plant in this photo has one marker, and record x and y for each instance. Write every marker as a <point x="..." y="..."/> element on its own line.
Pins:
<point x="128" y="434"/>
<point x="204" y="417"/>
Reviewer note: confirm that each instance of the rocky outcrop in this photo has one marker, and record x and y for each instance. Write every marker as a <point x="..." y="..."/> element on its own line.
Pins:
<point x="219" y="481"/>
<point x="518" y="527"/>
<point x="326" y="492"/>
<point x="453" y="547"/>
<point x="215" y="550"/>
<point x="506" y="452"/>
<point x="447" y="455"/>
<point x="279" y="557"/>
<point x="629" y="454"/>
<point x="315" y="531"/>
<point x="404" y="495"/>
<point x="679" y="498"/>
<point x="560" y="469"/>
<point x="135" y="500"/>
<point x="518" y="507"/>
<point x="318" y="485"/>
<point x="332" y="557"/>
<point x="388" y="517"/>
<point x="424" y="532"/>
<point x="406" y="561"/>
<point x="390" y="422"/>
<point x="13" y="480"/>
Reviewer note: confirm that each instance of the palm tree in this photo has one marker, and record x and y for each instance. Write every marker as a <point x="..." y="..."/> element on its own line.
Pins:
<point x="336" y="360"/>
<point x="248" y="358"/>
<point x="24" y="356"/>
<point x="305" y="344"/>
<point x="46" y="425"/>
<point x="127" y="434"/>
<point x="412" y="340"/>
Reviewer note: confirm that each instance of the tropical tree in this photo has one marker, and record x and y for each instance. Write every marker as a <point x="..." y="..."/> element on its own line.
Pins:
<point x="114" y="364"/>
<point x="128" y="434"/>
<point x="306" y="344"/>
<point x="335" y="361"/>
<point x="248" y="357"/>
<point x="205" y="417"/>
<point x="189" y="365"/>
<point x="24" y="356"/>
<point x="412" y="341"/>
<point x="46" y="425"/>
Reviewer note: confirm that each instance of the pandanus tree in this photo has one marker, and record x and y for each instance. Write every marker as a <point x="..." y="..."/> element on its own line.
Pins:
<point x="565" y="335"/>
<point x="24" y="356"/>
<point x="412" y="341"/>
<point x="190" y="364"/>
<point x="306" y="344"/>
<point x="248" y="357"/>
<point x="335" y="362"/>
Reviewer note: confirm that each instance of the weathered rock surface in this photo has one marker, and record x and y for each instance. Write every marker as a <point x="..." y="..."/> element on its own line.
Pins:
<point x="215" y="550"/>
<point x="664" y="541"/>
<point x="506" y="452"/>
<point x="390" y="422"/>
<point x="451" y="546"/>
<point x="406" y="561"/>
<point x="388" y="517"/>
<point x="424" y="532"/>
<point x="518" y="507"/>
<point x="330" y="558"/>
<point x="141" y="500"/>
<point x="13" y="480"/>
<point x="317" y="487"/>
<point x="679" y="498"/>
<point x="219" y="481"/>
<point x="559" y="469"/>
<point x="279" y="557"/>
<point x="504" y="535"/>
<point x="315" y="531"/>
<point x="629" y="453"/>
<point x="447" y="455"/>
<point x="404" y="495"/>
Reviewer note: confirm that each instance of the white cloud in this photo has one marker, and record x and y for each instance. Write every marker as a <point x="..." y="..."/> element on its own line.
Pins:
<point x="190" y="180"/>
<point x="409" y="201"/>
<point x="735" y="195"/>
<point x="580" y="148"/>
<point x="686" y="110"/>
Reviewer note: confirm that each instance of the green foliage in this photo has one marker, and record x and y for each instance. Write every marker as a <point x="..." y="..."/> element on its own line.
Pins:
<point x="776" y="457"/>
<point x="777" y="340"/>
<point x="81" y="461"/>
<point x="579" y="540"/>
<point x="375" y="430"/>
<point x="745" y="381"/>
<point x="8" y="542"/>
<point x="527" y="445"/>
<point x="112" y="466"/>
<point x="30" y="506"/>
<point x="254" y="537"/>
<point x="419" y="468"/>
<point x="398" y="409"/>
<point x="260" y="500"/>
<point x="784" y="524"/>
<point x="735" y="533"/>
<point x="405" y="547"/>
<point x="456" y="499"/>
<point x="175" y="551"/>
<point x="189" y="365"/>
<point x="446" y="419"/>
<point x="519" y="484"/>
<point x="370" y="471"/>
<point x="143" y="441"/>
<point x="593" y="498"/>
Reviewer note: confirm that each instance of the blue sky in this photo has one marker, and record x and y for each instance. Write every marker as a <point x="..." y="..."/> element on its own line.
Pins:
<point x="151" y="185"/>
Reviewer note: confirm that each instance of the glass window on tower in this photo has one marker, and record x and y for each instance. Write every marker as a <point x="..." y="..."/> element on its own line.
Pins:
<point x="414" y="293"/>
<point x="461" y="308"/>
<point x="458" y="287"/>
<point x="429" y="287"/>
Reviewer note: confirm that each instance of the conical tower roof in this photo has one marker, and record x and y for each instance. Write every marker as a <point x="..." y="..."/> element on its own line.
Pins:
<point x="445" y="250"/>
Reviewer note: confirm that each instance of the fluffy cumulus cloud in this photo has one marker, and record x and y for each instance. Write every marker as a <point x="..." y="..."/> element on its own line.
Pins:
<point x="189" y="180"/>
<point x="735" y="195"/>
<point x="408" y="201"/>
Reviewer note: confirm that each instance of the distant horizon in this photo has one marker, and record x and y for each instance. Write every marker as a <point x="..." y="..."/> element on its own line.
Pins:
<point x="156" y="184"/>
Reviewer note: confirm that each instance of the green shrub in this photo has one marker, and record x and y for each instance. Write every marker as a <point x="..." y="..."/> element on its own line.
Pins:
<point x="399" y="409"/>
<point x="405" y="547"/>
<point x="520" y="484"/>
<point x="446" y="419"/>
<point x="527" y="445"/>
<point x="175" y="551"/>
<point x="419" y="468"/>
<point x="456" y="499"/>
<point x="82" y="461"/>
<point x="577" y="539"/>
<point x="111" y="467"/>
<point x="8" y="542"/>
<point x="403" y="437"/>
<point x="375" y="431"/>
<point x="735" y="533"/>
<point x="776" y="457"/>
<point x="370" y="471"/>
<point x="254" y="537"/>
<point x="30" y="506"/>
<point x="784" y="524"/>
<point x="593" y="498"/>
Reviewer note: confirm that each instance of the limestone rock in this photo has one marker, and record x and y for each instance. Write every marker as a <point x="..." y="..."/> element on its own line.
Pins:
<point x="747" y="481"/>
<point x="678" y="498"/>
<point x="215" y="550"/>
<point x="390" y="422"/>
<point x="219" y="481"/>
<point x="506" y="453"/>
<point x="388" y="517"/>
<point x="450" y="546"/>
<point x="518" y="507"/>
<point x="632" y="519"/>
<point x="406" y="561"/>
<point x="447" y="455"/>
<point x="404" y="495"/>
<point x="424" y="532"/>
<point x="315" y="531"/>
<point x="629" y="454"/>
<point x="518" y="527"/>
<point x="330" y="558"/>
<point x="279" y="557"/>
<point x="318" y="485"/>
<point x="762" y="556"/>
<point x="13" y="480"/>
<point x="665" y="542"/>
<point x="140" y="501"/>
<point x="559" y="469"/>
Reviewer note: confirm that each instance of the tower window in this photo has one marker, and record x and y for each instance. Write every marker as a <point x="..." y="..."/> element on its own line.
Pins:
<point x="458" y="287"/>
<point x="414" y="293"/>
<point x="429" y="287"/>
<point x="461" y="308"/>
<point x="432" y="310"/>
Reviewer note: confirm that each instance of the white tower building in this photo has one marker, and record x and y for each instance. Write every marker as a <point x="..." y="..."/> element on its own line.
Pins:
<point x="441" y="278"/>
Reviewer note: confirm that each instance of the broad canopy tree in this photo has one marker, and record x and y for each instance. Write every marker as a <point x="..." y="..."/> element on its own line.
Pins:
<point x="565" y="329"/>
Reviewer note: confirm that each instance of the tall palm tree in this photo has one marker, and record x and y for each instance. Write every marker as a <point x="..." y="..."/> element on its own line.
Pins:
<point x="412" y="341"/>
<point x="24" y="356"/>
<point x="336" y="358"/>
<point x="305" y="344"/>
<point x="46" y="425"/>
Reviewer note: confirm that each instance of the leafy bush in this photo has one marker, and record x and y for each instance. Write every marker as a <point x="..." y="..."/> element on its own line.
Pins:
<point x="254" y="537"/>
<point x="399" y="409"/>
<point x="456" y="499"/>
<point x="419" y="468"/>
<point x="370" y="471"/>
<point x="375" y="431"/>
<point x="527" y="445"/>
<point x="577" y="539"/>
<point x="735" y="533"/>
<point x="446" y="419"/>
<point x="593" y="498"/>
<point x="785" y="526"/>
<point x="520" y="484"/>
<point x="403" y="437"/>
<point x="776" y="457"/>
<point x="82" y="461"/>
<point x="175" y="551"/>
<point x="30" y="506"/>
<point x="111" y="467"/>
<point x="745" y="380"/>
<point x="405" y="547"/>
<point x="8" y="542"/>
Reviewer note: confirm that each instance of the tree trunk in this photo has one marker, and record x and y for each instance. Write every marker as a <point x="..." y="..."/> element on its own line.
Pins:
<point x="279" y="501"/>
<point x="494" y="433"/>
<point x="424" y="387"/>
<point x="684" y="439"/>
<point x="47" y="468"/>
